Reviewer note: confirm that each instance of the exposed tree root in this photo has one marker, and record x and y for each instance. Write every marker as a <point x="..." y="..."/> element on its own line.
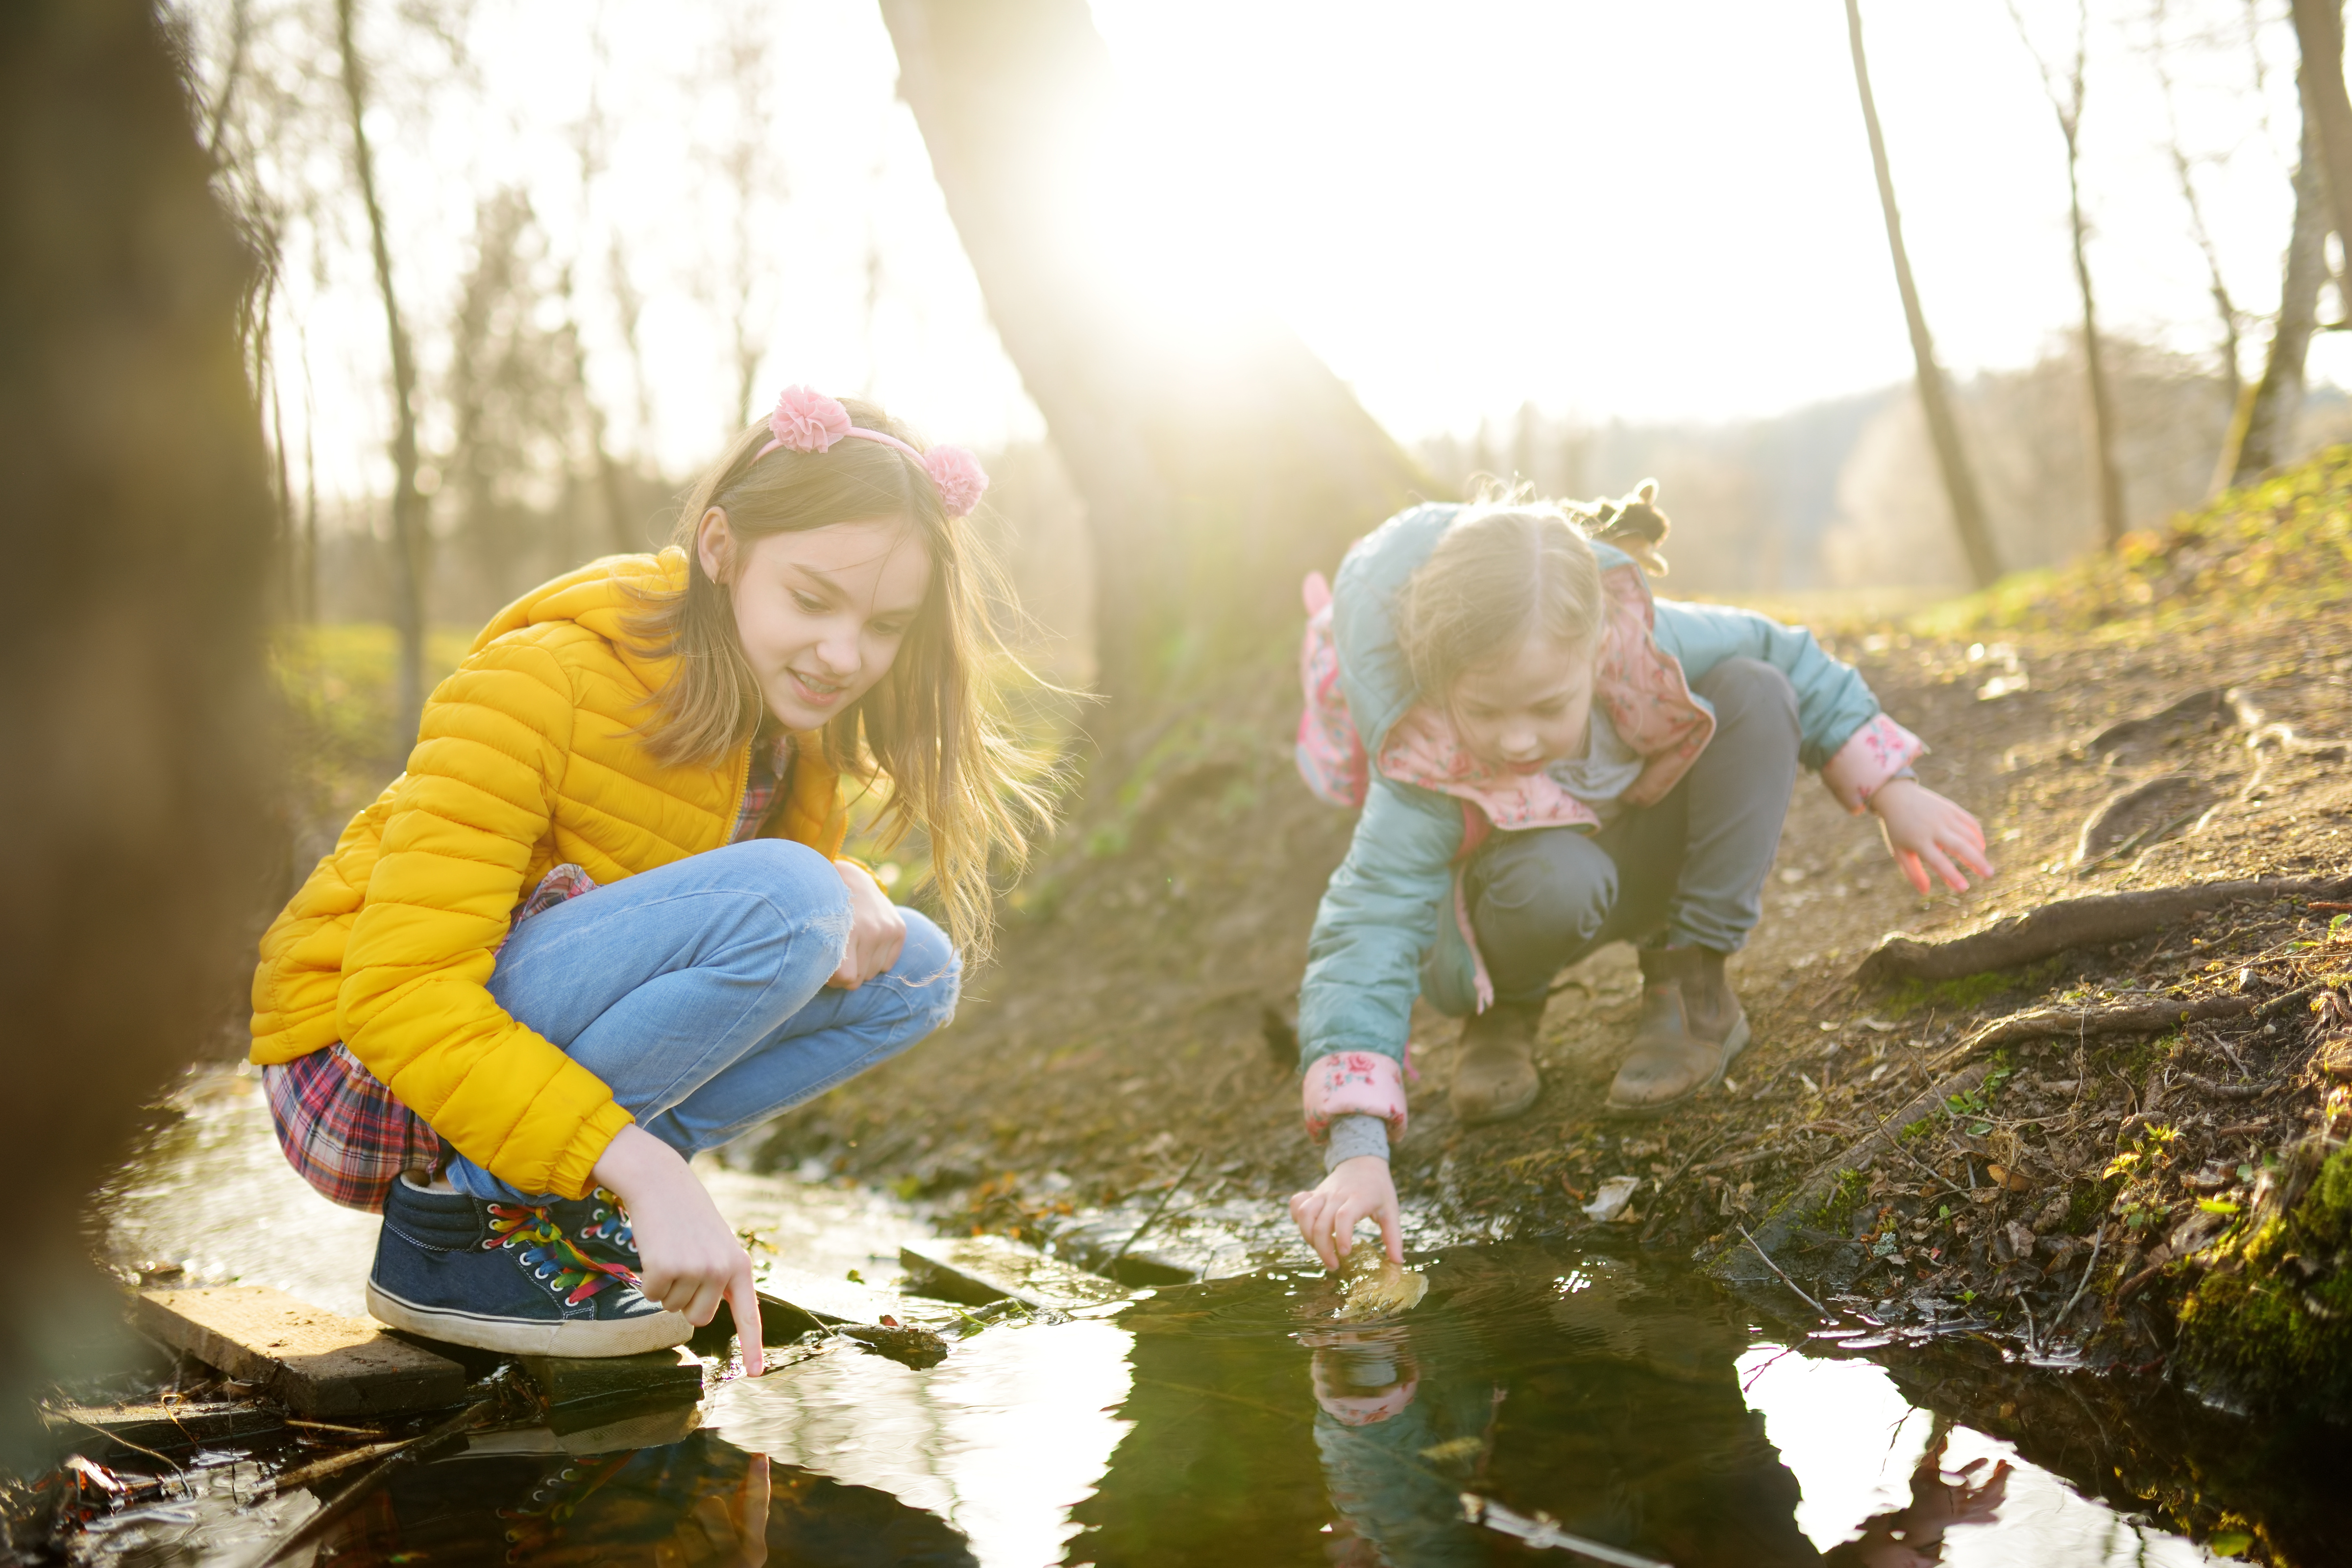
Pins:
<point x="2098" y="920"/>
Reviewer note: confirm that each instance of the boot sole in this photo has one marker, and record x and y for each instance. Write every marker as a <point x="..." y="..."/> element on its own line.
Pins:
<point x="1733" y="1044"/>
<point x="1501" y="1112"/>
<point x="570" y="1337"/>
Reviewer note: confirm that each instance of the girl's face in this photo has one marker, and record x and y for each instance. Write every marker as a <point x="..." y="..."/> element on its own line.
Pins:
<point x="1528" y="708"/>
<point x="821" y="612"/>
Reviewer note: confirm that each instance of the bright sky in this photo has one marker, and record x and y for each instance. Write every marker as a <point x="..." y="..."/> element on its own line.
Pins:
<point x="1641" y="211"/>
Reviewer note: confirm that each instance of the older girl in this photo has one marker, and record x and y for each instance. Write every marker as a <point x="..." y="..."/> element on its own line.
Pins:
<point x="602" y="922"/>
<point x="1548" y="761"/>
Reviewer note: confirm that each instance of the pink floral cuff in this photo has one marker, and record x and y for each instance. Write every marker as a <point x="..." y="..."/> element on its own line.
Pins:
<point x="1878" y="752"/>
<point x="1354" y="1083"/>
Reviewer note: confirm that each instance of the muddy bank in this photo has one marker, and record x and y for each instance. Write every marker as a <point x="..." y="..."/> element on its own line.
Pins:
<point x="2077" y="1188"/>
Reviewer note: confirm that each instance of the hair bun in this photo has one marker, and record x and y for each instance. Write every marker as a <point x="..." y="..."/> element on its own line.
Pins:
<point x="1634" y="524"/>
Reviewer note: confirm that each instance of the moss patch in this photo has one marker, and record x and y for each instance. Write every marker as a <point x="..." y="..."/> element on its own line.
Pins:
<point x="2272" y="1323"/>
<point x="1970" y="993"/>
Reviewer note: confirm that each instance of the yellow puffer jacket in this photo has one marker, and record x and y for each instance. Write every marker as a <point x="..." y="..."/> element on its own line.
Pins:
<point x="525" y="761"/>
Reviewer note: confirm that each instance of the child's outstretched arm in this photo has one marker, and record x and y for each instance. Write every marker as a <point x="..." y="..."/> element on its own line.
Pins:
<point x="1925" y="833"/>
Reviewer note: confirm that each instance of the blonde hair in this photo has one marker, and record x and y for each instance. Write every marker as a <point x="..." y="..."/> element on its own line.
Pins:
<point x="934" y="727"/>
<point x="1510" y="568"/>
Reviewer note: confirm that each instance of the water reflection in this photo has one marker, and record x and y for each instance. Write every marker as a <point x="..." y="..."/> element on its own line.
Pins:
<point x="1589" y="1397"/>
<point x="701" y="1500"/>
<point x="1228" y="1424"/>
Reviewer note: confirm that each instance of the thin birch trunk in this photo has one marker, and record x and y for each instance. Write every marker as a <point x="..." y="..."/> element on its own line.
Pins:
<point x="2319" y="32"/>
<point x="407" y="503"/>
<point x="1934" y="396"/>
<point x="2260" y="438"/>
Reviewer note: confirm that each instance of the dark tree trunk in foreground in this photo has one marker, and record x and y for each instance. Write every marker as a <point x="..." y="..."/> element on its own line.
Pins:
<point x="135" y="709"/>
<point x="1217" y="466"/>
<point x="1935" y="395"/>
<point x="407" y="504"/>
<point x="2260" y="435"/>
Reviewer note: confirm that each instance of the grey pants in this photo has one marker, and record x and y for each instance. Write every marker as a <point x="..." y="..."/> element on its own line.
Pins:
<point x="1692" y="865"/>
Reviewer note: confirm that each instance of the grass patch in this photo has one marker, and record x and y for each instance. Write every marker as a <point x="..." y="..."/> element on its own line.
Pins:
<point x="2279" y="544"/>
<point x="1969" y="993"/>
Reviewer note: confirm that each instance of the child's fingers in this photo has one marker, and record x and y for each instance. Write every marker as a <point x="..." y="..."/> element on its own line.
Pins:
<point x="1909" y="865"/>
<point x="1307" y="1211"/>
<point x="1942" y="868"/>
<point x="1392" y="1235"/>
<point x="1972" y="856"/>
<point x="744" y="1297"/>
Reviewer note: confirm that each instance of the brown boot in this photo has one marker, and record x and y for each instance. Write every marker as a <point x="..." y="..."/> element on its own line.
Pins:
<point x="1691" y="1027"/>
<point x="1495" y="1074"/>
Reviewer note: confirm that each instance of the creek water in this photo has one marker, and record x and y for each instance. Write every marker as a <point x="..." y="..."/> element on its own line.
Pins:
<point x="1543" y="1403"/>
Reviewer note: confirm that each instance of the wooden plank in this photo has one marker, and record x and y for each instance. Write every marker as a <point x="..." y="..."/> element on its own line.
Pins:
<point x="166" y="1426"/>
<point x="311" y="1361"/>
<point x="983" y="1269"/>
<point x="567" y="1380"/>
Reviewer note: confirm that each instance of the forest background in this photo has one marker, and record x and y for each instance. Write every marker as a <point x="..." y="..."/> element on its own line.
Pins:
<point x="522" y="276"/>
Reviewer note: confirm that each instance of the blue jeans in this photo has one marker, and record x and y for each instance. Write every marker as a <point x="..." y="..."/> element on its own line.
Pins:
<point x="698" y="992"/>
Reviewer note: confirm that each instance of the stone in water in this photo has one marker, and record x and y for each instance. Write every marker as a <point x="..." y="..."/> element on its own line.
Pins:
<point x="1376" y="1287"/>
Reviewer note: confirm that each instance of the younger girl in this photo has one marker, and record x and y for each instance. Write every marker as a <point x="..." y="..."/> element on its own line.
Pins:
<point x="1549" y="761"/>
<point x="602" y="922"/>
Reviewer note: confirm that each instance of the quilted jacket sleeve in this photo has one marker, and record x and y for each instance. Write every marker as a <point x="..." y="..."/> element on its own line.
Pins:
<point x="1377" y="916"/>
<point x="458" y="838"/>
<point x="1832" y="699"/>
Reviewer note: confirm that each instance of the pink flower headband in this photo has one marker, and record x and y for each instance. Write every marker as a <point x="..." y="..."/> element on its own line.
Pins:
<point x="806" y="420"/>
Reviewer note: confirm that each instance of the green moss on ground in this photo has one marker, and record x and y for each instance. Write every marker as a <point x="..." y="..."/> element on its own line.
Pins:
<point x="2284" y="542"/>
<point x="1968" y="994"/>
<point x="2272" y="1323"/>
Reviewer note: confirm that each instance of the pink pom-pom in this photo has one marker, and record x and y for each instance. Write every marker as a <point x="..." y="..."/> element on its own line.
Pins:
<point x="961" y="478"/>
<point x="806" y="420"/>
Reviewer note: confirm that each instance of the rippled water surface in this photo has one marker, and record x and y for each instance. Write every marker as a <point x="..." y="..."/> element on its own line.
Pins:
<point x="1576" y="1404"/>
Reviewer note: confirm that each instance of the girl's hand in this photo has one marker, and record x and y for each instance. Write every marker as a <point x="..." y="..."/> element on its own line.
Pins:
<point x="1926" y="831"/>
<point x="878" y="932"/>
<point x="1356" y="1189"/>
<point x="692" y="1261"/>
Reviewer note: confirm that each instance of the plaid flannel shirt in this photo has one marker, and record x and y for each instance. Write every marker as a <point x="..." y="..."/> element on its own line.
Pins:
<point x="347" y="1134"/>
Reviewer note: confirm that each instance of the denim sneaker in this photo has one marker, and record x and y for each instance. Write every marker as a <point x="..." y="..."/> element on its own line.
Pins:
<point x="600" y="1226"/>
<point x="506" y="1277"/>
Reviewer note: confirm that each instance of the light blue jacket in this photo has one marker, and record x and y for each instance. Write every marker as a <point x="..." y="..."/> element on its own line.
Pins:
<point x="1383" y="931"/>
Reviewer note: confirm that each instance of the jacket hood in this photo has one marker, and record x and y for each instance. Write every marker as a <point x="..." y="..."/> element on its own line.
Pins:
<point x="598" y="598"/>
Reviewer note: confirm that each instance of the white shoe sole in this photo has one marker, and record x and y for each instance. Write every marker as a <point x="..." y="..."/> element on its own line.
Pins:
<point x="570" y="1337"/>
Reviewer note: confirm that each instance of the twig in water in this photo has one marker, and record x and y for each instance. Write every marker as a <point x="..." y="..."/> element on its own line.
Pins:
<point x="2031" y="1334"/>
<point x="117" y="1437"/>
<point x="1783" y="1273"/>
<point x="1157" y="1209"/>
<point x="2097" y="1236"/>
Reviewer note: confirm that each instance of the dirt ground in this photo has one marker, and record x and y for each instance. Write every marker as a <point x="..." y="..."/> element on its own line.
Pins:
<point x="1130" y="1029"/>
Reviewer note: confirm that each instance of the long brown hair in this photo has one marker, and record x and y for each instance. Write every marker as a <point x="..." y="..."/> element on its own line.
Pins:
<point x="934" y="727"/>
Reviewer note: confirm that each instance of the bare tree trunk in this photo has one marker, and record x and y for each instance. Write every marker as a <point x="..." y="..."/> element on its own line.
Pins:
<point x="2184" y="175"/>
<point x="2067" y="104"/>
<point x="2094" y="367"/>
<point x="2319" y="31"/>
<point x="1934" y="396"/>
<point x="2260" y="435"/>
<point x="1217" y="468"/>
<point x="407" y="504"/>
